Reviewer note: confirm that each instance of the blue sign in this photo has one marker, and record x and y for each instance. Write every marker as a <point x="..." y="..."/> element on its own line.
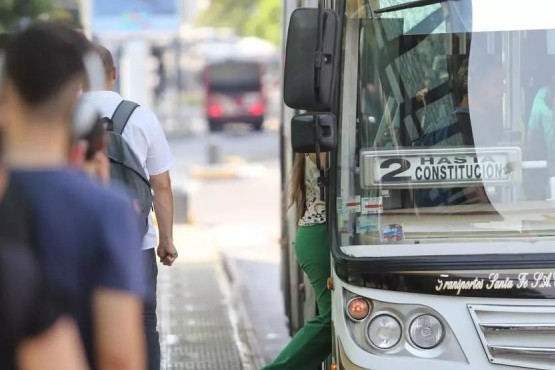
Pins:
<point x="132" y="16"/>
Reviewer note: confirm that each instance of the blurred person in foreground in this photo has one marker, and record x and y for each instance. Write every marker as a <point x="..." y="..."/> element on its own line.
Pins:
<point x="88" y="236"/>
<point x="143" y="133"/>
<point x="36" y="333"/>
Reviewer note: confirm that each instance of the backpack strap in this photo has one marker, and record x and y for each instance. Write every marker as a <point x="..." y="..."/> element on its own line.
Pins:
<point x="122" y="114"/>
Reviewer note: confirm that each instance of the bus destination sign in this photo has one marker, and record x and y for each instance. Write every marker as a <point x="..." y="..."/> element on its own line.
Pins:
<point x="425" y="168"/>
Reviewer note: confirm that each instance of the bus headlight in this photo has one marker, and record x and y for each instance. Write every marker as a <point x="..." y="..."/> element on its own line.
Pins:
<point x="426" y="331"/>
<point x="384" y="331"/>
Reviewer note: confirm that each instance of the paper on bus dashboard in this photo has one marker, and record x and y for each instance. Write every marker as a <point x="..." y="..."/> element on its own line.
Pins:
<point x="521" y="226"/>
<point x="499" y="225"/>
<point x="424" y="168"/>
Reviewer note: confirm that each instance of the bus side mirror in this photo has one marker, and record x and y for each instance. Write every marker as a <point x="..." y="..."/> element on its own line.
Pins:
<point x="310" y="59"/>
<point x="308" y="130"/>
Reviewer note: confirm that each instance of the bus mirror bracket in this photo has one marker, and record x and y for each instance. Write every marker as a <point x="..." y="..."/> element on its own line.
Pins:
<point x="313" y="132"/>
<point x="309" y="73"/>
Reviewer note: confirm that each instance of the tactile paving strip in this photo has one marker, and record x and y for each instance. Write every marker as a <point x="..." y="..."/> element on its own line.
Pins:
<point x="196" y="332"/>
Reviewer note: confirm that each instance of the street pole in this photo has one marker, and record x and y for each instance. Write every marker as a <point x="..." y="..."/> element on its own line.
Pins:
<point x="213" y="149"/>
<point x="85" y="10"/>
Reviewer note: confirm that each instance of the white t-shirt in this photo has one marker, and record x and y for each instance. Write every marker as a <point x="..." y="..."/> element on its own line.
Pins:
<point x="146" y="138"/>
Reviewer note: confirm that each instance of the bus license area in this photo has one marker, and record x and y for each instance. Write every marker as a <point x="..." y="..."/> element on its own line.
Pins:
<point x="440" y="167"/>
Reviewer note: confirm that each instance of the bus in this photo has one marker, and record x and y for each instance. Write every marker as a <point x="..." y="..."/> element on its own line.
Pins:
<point x="234" y="93"/>
<point x="438" y="117"/>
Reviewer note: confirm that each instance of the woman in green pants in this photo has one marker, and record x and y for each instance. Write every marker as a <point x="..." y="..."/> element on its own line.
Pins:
<point x="312" y="344"/>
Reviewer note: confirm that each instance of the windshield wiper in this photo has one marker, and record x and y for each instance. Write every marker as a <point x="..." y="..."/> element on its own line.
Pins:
<point x="409" y="5"/>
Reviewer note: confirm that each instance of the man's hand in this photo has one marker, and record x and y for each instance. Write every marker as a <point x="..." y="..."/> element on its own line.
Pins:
<point x="421" y="95"/>
<point x="167" y="253"/>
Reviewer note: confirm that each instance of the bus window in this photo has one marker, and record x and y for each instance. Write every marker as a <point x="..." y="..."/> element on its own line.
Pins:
<point x="234" y="94"/>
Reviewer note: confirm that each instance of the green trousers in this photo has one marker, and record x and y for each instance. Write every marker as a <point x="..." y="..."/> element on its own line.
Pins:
<point x="312" y="344"/>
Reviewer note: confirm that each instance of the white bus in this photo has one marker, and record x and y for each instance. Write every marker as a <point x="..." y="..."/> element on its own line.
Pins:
<point x="440" y="119"/>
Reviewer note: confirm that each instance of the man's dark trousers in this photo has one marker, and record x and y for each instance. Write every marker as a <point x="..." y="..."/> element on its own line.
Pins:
<point x="149" y="307"/>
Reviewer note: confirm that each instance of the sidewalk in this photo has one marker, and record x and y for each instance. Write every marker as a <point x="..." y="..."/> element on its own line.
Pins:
<point x="198" y="328"/>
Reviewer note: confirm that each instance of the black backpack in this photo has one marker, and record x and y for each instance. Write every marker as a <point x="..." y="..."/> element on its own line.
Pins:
<point x="125" y="167"/>
<point x="20" y="274"/>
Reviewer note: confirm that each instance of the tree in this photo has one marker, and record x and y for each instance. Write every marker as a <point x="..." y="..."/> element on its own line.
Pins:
<point x="260" y="18"/>
<point x="226" y="14"/>
<point x="265" y="21"/>
<point x="13" y="11"/>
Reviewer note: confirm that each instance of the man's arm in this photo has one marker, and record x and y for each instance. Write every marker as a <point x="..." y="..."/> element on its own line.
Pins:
<point x="158" y="163"/>
<point x="58" y="348"/>
<point x="163" y="207"/>
<point x="119" y="335"/>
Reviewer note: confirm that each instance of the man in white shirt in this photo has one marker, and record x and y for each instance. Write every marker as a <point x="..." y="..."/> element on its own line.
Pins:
<point x="146" y="138"/>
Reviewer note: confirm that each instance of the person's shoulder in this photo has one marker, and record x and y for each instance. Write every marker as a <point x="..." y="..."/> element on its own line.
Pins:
<point x="144" y="117"/>
<point x="65" y="179"/>
<point x="101" y="98"/>
<point x="88" y="193"/>
<point x="542" y="93"/>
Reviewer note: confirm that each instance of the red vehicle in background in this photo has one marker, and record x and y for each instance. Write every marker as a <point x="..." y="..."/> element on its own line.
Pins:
<point x="234" y="93"/>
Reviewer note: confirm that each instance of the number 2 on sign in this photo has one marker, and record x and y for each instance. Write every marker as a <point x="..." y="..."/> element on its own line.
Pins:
<point x="392" y="176"/>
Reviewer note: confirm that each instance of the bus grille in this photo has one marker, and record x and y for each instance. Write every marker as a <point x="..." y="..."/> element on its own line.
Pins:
<point x="521" y="336"/>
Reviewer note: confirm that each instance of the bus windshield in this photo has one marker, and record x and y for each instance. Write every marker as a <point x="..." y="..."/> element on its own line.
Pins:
<point x="234" y="75"/>
<point x="454" y="139"/>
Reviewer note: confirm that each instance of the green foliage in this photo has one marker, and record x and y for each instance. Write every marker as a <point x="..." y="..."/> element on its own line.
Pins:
<point x="265" y="21"/>
<point x="12" y="11"/>
<point x="260" y="18"/>
<point x="68" y="16"/>
<point x="226" y="14"/>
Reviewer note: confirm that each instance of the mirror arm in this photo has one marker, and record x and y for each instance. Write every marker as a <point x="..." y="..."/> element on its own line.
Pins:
<point x="318" y="61"/>
<point x="323" y="178"/>
<point x="319" y="53"/>
<point x="322" y="182"/>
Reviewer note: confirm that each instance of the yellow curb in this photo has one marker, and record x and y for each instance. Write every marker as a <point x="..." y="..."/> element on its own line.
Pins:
<point x="213" y="173"/>
<point x="235" y="160"/>
<point x="191" y="220"/>
<point x="194" y="245"/>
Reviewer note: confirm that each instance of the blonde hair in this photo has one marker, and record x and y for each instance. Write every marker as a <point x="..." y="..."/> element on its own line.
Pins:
<point x="298" y="187"/>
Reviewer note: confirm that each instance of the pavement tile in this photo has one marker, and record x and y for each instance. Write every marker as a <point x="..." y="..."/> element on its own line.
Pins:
<point x="198" y="328"/>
